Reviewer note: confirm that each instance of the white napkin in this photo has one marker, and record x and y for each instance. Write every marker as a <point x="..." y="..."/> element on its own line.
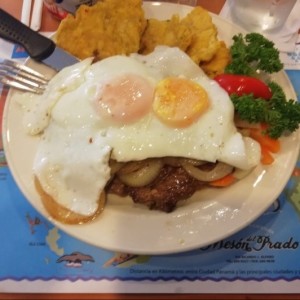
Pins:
<point x="285" y="39"/>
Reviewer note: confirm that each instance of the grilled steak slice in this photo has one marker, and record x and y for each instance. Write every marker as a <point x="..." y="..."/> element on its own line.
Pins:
<point x="172" y="185"/>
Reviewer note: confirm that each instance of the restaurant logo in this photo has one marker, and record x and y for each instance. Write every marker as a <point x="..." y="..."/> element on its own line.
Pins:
<point x="254" y="243"/>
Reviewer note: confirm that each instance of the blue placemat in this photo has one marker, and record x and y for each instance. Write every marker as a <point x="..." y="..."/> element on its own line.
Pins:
<point x="32" y="248"/>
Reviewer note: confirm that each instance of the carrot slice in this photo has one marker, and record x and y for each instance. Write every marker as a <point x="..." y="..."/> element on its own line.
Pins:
<point x="224" y="181"/>
<point x="266" y="156"/>
<point x="265" y="141"/>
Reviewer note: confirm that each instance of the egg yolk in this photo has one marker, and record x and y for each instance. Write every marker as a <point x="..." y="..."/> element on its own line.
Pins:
<point x="179" y="102"/>
<point x="126" y="99"/>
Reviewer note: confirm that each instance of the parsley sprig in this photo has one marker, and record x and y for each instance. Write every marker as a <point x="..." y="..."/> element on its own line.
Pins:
<point x="281" y="115"/>
<point x="251" y="53"/>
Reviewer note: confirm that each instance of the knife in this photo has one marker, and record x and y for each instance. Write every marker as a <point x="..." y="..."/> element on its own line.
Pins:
<point x="36" y="45"/>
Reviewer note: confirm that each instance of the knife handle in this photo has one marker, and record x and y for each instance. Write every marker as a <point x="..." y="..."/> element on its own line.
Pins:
<point x="37" y="46"/>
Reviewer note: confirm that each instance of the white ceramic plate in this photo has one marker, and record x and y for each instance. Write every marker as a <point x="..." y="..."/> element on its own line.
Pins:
<point x="209" y="216"/>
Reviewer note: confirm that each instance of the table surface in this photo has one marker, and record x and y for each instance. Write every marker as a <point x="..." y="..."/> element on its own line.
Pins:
<point x="50" y="24"/>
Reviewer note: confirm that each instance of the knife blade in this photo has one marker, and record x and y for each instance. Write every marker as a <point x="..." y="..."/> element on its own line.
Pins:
<point x="38" y="47"/>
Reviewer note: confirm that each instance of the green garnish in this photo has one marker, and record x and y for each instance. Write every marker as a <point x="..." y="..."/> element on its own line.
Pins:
<point x="281" y="115"/>
<point x="251" y="53"/>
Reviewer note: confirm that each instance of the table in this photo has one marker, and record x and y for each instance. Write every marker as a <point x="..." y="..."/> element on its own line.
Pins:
<point x="50" y="24"/>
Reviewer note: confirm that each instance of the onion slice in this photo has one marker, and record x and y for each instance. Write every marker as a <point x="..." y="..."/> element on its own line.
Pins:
<point x="219" y="171"/>
<point x="175" y="161"/>
<point x="240" y="174"/>
<point x="140" y="173"/>
<point x="115" y="166"/>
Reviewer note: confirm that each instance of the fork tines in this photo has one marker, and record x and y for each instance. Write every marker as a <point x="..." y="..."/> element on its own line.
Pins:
<point x="22" y="77"/>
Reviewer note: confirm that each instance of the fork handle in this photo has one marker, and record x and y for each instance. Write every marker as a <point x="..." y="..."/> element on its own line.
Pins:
<point x="37" y="46"/>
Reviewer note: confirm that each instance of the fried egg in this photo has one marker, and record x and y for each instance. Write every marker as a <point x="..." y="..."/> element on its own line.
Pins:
<point x="128" y="108"/>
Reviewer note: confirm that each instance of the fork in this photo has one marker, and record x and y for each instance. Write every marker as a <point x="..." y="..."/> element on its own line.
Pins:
<point x="22" y="77"/>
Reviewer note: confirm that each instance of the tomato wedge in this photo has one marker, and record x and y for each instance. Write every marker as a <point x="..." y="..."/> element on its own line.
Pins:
<point x="241" y="84"/>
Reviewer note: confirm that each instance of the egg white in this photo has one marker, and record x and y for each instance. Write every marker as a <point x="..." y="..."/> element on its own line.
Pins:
<point x="76" y="142"/>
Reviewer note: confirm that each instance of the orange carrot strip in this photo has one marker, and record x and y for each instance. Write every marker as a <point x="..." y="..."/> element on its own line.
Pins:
<point x="265" y="141"/>
<point x="224" y="181"/>
<point x="266" y="156"/>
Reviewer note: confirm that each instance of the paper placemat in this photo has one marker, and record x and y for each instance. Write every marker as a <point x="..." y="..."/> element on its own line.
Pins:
<point x="36" y="256"/>
<point x="34" y="251"/>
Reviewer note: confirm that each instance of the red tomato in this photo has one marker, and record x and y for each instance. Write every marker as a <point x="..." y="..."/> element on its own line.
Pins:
<point x="241" y="84"/>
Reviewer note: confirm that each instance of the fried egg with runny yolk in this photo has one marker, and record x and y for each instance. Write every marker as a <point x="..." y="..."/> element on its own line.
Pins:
<point x="128" y="108"/>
